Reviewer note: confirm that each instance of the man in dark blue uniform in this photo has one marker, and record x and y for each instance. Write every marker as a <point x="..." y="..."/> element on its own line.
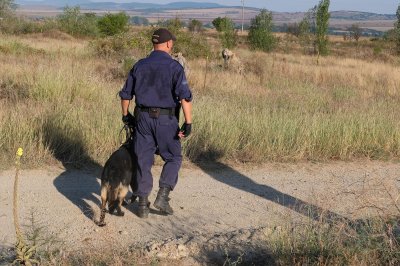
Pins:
<point x="159" y="85"/>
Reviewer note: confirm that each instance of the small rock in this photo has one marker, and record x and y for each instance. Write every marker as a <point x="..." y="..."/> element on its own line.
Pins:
<point x="183" y="251"/>
<point x="181" y="247"/>
<point x="153" y="247"/>
<point x="161" y="255"/>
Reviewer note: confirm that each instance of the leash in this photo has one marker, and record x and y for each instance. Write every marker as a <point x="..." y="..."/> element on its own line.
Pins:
<point x="128" y="134"/>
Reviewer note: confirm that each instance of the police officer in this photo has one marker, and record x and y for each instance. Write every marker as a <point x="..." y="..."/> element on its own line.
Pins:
<point x="159" y="85"/>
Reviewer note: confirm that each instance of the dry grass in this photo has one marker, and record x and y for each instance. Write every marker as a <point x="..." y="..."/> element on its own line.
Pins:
<point x="58" y="101"/>
<point x="289" y="108"/>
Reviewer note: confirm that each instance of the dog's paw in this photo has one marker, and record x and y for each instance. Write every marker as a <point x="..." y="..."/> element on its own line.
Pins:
<point x="100" y="223"/>
<point x="125" y="203"/>
<point x="121" y="213"/>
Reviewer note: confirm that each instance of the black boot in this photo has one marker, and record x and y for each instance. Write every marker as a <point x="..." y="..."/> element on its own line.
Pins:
<point x="162" y="199"/>
<point x="144" y="209"/>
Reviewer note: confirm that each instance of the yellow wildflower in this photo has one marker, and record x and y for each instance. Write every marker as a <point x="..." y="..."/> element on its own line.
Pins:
<point x="20" y="151"/>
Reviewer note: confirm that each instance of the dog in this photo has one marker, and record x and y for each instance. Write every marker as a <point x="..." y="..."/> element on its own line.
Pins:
<point x="118" y="173"/>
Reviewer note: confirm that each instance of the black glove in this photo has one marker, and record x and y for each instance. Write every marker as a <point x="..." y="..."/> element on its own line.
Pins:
<point x="128" y="119"/>
<point x="186" y="129"/>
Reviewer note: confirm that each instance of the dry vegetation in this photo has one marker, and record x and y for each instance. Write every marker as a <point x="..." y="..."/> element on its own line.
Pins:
<point x="58" y="101"/>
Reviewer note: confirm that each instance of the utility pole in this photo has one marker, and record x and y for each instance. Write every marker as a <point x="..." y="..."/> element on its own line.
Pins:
<point x="242" y="14"/>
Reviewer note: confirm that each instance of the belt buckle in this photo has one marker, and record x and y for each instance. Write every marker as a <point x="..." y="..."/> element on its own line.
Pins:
<point x="154" y="112"/>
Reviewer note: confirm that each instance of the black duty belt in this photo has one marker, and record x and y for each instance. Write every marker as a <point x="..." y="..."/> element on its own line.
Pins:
<point x="160" y="111"/>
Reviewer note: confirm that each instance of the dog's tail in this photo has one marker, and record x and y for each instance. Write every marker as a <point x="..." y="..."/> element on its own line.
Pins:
<point x="103" y="195"/>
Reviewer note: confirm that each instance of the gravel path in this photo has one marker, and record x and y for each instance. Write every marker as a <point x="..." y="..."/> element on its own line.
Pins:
<point x="209" y="201"/>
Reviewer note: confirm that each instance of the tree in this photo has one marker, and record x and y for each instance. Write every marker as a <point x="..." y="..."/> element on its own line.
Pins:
<point x="174" y="24"/>
<point x="293" y="29"/>
<point x="260" y="34"/>
<point x="69" y="20"/>
<point x="112" y="24"/>
<point x="222" y="24"/>
<point x="322" y="23"/>
<point x="355" y="32"/>
<point x="6" y="7"/>
<point x="136" y="20"/>
<point x="397" y="30"/>
<point x="75" y="23"/>
<point x="227" y="32"/>
<point x="195" y="25"/>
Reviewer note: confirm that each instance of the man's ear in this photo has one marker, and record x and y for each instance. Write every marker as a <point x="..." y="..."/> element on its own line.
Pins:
<point x="170" y="44"/>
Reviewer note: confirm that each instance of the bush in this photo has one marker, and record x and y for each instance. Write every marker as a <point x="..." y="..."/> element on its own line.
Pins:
<point x="113" y="24"/>
<point x="77" y="24"/>
<point x="191" y="45"/>
<point x="226" y="28"/>
<point x="6" y="7"/>
<point x="15" y="25"/>
<point x="195" y="25"/>
<point x="117" y="45"/>
<point x="124" y="45"/>
<point x="221" y="24"/>
<point x="260" y="34"/>
<point x="136" y="20"/>
<point x="173" y="25"/>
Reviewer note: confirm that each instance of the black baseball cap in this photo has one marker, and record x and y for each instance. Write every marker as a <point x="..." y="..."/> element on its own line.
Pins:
<point x="161" y="36"/>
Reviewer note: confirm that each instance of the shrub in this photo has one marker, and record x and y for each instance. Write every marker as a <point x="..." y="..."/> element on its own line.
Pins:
<point x="260" y="34"/>
<point x="123" y="45"/>
<point x="227" y="33"/>
<point x="195" y="25"/>
<point x="73" y="22"/>
<point x="294" y="29"/>
<point x="355" y="32"/>
<point x="6" y="7"/>
<point x="173" y="25"/>
<point x="191" y="45"/>
<point x="397" y="30"/>
<point x="221" y="23"/>
<point x="136" y="20"/>
<point x="117" y="45"/>
<point x="113" y="24"/>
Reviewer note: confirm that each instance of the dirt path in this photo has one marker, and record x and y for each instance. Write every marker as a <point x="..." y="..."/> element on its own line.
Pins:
<point x="209" y="201"/>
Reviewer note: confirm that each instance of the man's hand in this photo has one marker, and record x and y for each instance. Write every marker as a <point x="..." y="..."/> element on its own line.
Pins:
<point x="185" y="130"/>
<point x="128" y="119"/>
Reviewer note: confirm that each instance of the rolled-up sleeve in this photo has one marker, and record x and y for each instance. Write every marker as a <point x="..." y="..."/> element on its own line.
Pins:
<point x="128" y="90"/>
<point x="181" y="86"/>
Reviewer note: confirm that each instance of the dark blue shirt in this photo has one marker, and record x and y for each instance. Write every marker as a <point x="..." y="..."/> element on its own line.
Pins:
<point x="156" y="81"/>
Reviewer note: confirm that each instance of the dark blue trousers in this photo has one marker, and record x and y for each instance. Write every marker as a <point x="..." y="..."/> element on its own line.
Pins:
<point x="161" y="132"/>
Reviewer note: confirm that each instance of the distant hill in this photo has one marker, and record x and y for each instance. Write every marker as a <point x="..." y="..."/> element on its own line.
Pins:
<point x="86" y="4"/>
<point x="360" y="16"/>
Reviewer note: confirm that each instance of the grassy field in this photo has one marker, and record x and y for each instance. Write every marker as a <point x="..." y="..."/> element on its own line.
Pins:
<point x="58" y="101"/>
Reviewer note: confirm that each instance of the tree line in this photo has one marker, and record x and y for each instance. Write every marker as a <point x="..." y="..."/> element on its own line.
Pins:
<point x="312" y="30"/>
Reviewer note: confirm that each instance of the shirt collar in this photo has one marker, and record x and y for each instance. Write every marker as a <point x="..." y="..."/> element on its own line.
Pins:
<point x="160" y="54"/>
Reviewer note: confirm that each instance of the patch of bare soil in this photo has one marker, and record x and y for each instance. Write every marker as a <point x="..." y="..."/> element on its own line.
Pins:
<point x="221" y="211"/>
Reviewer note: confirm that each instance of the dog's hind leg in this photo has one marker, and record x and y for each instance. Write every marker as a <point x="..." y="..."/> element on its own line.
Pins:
<point x="112" y="200"/>
<point x="103" y="195"/>
<point x="123" y="190"/>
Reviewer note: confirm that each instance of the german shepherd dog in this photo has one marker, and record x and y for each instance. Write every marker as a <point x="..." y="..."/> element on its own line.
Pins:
<point x="118" y="173"/>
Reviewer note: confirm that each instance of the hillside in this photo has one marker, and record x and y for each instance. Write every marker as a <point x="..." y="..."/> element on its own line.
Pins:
<point x="204" y="12"/>
<point x="85" y="4"/>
